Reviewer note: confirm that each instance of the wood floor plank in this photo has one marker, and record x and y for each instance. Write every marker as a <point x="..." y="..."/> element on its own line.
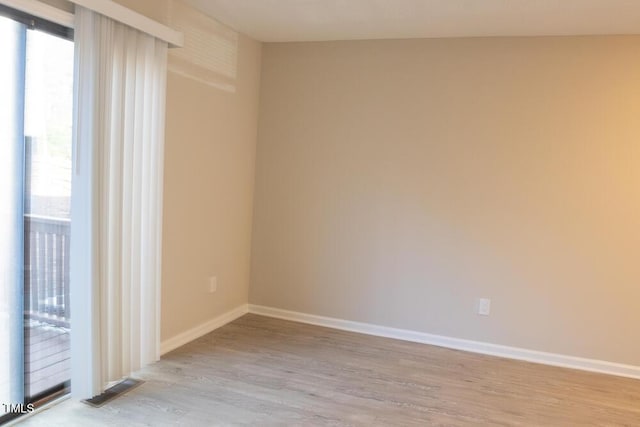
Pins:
<point x="262" y="371"/>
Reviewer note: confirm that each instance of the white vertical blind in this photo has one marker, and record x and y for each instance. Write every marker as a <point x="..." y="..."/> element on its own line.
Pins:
<point x="117" y="221"/>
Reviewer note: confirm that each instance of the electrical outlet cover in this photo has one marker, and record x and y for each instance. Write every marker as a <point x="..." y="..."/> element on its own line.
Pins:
<point x="484" y="306"/>
<point x="213" y="284"/>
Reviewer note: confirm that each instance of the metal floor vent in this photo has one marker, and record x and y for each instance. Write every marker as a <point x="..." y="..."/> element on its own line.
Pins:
<point x="113" y="392"/>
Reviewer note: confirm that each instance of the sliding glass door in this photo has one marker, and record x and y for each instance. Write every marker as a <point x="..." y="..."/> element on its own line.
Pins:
<point x="12" y="75"/>
<point x="36" y="92"/>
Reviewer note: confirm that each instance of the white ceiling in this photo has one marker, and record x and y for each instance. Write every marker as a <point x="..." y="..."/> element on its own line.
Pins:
<point x="315" y="20"/>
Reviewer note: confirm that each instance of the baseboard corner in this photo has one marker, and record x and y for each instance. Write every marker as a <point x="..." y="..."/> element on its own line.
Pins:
<point x="203" y="329"/>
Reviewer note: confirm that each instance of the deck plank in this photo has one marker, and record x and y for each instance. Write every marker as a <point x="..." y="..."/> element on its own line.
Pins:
<point x="47" y="357"/>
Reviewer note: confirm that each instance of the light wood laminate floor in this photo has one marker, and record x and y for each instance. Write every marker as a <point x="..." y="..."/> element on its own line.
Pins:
<point x="261" y="371"/>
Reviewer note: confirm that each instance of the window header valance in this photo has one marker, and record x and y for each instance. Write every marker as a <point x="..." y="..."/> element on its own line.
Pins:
<point x="108" y="8"/>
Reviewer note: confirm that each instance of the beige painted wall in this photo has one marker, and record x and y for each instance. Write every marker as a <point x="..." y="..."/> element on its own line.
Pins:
<point x="208" y="189"/>
<point x="398" y="181"/>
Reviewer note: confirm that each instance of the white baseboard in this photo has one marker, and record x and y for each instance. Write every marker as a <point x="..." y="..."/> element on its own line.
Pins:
<point x="203" y="329"/>
<point x="591" y="365"/>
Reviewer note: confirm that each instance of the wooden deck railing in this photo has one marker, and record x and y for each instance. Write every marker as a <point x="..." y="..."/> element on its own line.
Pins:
<point x="46" y="275"/>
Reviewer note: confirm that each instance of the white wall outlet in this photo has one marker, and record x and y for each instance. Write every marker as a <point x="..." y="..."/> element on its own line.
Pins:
<point x="213" y="284"/>
<point x="484" y="306"/>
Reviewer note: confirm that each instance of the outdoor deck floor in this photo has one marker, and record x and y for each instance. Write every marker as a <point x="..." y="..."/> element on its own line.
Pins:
<point x="47" y="356"/>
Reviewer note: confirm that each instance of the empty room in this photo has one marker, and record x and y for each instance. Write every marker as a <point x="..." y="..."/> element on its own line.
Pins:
<point x="320" y="212"/>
